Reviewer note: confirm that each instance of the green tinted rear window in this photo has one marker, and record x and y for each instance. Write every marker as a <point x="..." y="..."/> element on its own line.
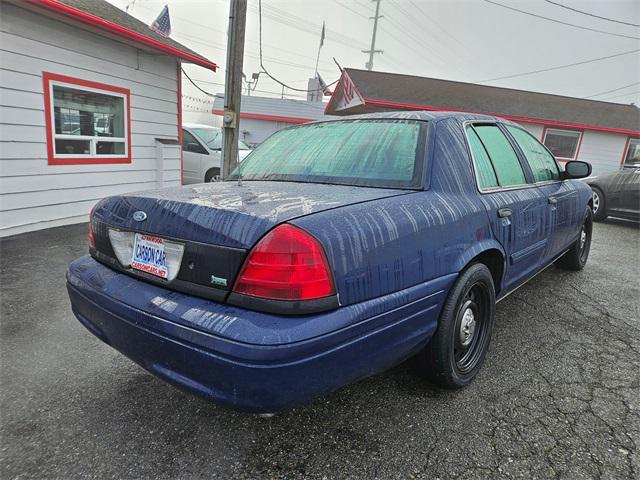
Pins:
<point x="484" y="169"/>
<point x="503" y="157"/>
<point x="385" y="153"/>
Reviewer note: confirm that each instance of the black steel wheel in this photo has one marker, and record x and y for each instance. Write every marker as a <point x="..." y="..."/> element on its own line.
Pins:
<point x="577" y="256"/>
<point x="458" y="348"/>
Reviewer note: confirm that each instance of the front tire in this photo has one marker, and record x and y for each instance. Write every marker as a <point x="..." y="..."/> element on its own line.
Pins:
<point x="577" y="256"/>
<point x="458" y="348"/>
<point x="599" y="205"/>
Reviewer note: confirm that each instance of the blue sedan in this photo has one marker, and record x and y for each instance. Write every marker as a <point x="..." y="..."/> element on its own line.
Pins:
<point x="336" y="250"/>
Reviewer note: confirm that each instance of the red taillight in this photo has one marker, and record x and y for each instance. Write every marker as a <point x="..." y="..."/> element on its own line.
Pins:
<point x="287" y="264"/>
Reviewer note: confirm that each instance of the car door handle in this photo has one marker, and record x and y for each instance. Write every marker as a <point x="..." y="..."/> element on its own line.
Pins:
<point x="504" y="212"/>
<point x="552" y="200"/>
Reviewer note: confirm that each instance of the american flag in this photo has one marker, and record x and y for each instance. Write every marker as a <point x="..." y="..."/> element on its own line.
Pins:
<point x="162" y="24"/>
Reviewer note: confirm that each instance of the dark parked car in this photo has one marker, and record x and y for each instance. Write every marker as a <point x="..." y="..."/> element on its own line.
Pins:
<point x="336" y="250"/>
<point x="617" y="194"/>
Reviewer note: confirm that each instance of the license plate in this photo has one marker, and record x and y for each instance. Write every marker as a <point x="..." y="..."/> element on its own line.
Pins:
<point x="149" y="255"/>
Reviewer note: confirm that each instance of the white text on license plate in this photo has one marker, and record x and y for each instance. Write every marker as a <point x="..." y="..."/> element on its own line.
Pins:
<point x="149" y="255"/>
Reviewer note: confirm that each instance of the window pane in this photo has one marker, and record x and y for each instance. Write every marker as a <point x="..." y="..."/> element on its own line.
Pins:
<point x="73" y="147"/>
<point x="356" y="152"/>
<point x="211" y="136"/>
<point x="190" y="144"/>
<point x="79" y="112"/>
<point x="110" y="148"/>
<point x="562" y="143"/>
<point x="542" y="164"/>
<point x="482" y="162"/>
<point x="633" y="153"/>
<point x="504" y="159"/>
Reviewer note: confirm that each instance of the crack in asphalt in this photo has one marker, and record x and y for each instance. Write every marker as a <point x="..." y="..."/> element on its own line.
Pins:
<point x="557" y="398"/>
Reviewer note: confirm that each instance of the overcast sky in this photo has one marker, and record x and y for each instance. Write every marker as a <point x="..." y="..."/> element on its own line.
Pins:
<point x="465" y="40"/>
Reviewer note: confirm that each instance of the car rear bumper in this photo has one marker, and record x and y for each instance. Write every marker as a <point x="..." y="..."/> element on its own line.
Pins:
<point x="230" y="359"/>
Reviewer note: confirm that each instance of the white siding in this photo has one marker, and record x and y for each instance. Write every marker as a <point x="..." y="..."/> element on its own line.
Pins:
<point x="34" y="194"/>
<point x="603" y="150"/>
<point x="533" y="128"/>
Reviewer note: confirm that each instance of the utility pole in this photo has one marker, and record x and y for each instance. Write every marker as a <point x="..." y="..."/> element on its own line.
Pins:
<point x="372" y="50"/>
<point x="233" y="86"/>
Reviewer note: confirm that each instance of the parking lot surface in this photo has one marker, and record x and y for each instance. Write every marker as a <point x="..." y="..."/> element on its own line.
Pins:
<point x="558" y="397"/>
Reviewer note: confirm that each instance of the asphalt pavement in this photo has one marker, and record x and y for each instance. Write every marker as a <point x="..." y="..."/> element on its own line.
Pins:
<point x="558" y="397"/>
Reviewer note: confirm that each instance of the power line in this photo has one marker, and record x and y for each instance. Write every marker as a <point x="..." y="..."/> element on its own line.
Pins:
<point x="209" y="82"/>
<point x="621" y="95"/>
<point x="222" y="46"/>
<point x="262" y="64"/>
<point x="614" y="90"/>
<point x="592" y="14"/>
<point x="195" y="84"/>
<point x="560" y="21"/>
<point x="559" y="66"/>
<point x="405" y="31"/>
<point x="347" y="7"/>
<point x="308" y="27"/>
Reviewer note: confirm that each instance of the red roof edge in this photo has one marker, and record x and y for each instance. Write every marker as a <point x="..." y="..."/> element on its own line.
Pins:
<point x="120" y="31"/>
<point x="384" y="103"/>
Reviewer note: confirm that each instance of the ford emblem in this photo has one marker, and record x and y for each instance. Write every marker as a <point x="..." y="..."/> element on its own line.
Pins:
<point x="139" y="216"/>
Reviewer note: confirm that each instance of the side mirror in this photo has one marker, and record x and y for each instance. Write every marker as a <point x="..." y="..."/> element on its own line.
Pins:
<point x="576" y="169"/>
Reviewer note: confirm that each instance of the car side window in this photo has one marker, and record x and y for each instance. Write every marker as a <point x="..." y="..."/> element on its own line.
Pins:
<point x="503" y="156"/>
<point x="190" y="144"/>
<point x="484" y="170"/>
<point x="542" y="163"/>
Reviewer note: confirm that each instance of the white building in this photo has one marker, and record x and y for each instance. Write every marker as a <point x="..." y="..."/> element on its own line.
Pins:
<point x="263" y="116"/>
<point x="90" y="106"/>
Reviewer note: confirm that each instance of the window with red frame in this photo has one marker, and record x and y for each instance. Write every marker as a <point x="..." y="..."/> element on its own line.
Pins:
<point x="632" y="155"/>
<point x="562" y="143"/>
<point x="87" y="122"/>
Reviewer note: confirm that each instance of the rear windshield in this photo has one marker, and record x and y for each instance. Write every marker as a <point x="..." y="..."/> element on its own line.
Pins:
<point x="377" y="153"/>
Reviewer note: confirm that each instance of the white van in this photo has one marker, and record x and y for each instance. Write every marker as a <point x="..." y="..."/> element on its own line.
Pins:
<point x="202" y="152"/>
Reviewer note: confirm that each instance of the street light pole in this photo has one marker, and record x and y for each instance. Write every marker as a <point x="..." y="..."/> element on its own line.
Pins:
<point x="233" y="85"/>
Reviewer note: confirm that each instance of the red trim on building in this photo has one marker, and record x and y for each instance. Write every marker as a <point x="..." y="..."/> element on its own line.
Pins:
<point x="47" y="78"/>
<point x="179" y="77"/>
<point x="104" y="25"/>
<point x="273" y="118"/>
<point x="563" y="159"/>
<point x="383" y="103"/>
<point x="626" y="147"/>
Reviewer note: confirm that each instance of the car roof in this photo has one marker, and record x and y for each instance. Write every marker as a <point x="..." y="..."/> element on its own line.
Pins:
<point x="199" y="125"/>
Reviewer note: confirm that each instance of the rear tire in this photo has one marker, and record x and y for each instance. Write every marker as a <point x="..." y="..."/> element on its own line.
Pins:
<point x="599" y="205"/>
<point x="577" y="256"/>
<point x="458" y="348"/>
<point x="211" y="174"/>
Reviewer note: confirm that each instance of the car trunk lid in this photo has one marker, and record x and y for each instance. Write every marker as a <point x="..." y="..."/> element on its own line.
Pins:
<point x="217" y="223"/>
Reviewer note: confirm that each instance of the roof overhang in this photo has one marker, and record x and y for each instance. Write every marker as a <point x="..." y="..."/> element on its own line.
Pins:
<point x="355" y="103"/>
<point x="112" y="29"/>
